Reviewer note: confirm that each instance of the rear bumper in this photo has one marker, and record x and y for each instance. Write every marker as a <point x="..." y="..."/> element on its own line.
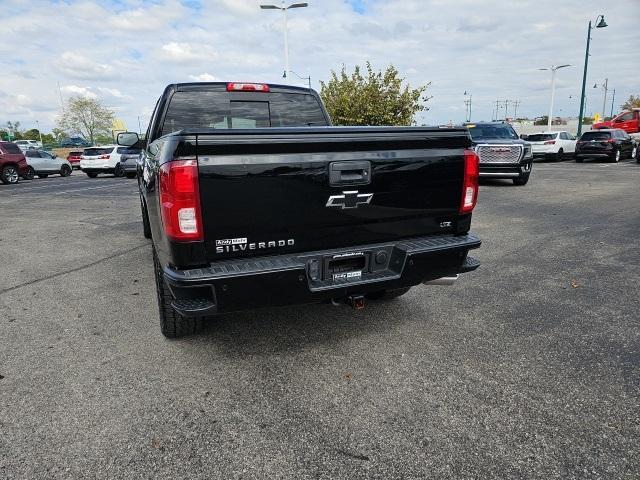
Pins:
<point x="129" y="167"/>
<point x="232" y="285"/>
<point x="595" y="154"/>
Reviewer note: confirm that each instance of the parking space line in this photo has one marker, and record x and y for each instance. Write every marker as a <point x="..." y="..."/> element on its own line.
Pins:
<point x="85" y="189"/>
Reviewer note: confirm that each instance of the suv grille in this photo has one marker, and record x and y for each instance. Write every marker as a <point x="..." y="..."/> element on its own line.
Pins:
<point x="499" y="153"/>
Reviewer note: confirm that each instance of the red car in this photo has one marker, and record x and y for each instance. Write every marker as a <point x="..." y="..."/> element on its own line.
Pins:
<point x="74" y="159"/>
<point x="628" y="121"/>
<point x="13" y="165"/>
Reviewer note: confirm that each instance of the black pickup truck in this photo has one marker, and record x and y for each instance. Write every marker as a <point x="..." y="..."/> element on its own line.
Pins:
<point x="251" y="199"/>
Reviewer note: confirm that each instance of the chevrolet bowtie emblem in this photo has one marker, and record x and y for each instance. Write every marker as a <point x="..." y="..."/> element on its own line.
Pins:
<point x="350" y="199"/>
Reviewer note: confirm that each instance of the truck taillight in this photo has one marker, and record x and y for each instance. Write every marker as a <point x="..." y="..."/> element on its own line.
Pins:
<point x="180" y="200"/>
<point x="470" y="181"/>
<point x="247" y="87"/>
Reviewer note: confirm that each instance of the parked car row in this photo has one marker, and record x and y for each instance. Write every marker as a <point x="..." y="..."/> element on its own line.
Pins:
<point x="17" y="162"/>
<point x="613" y="144"/>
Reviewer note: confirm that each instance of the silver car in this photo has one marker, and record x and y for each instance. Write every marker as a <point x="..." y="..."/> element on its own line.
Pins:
<point x="43" y="164"/>
<point x="129" y="161"/>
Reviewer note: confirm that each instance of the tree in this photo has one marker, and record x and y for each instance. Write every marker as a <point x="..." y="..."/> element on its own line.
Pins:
<point x="632" y="102"/>
<point x="87" y="117"/>
<point x="13" y="129"/>
<point x="31" y="134"/>
<point x="375" y="99"/>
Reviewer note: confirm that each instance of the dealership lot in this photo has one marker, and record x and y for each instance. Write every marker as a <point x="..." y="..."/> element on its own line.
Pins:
<point x="529" y="367"/>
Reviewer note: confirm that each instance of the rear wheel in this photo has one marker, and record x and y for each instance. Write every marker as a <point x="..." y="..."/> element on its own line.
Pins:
<point x="559" y="155"/>
<point x="118" y="171"/>
<point x="387" y="294"/>
<point x="172" y="324"/>
<point x="92" y="174"/>
<point x="9" y="174"/>
<point x="65" y="170"/>
<point x="30" y="174"/>
<point x="43" y="175"/>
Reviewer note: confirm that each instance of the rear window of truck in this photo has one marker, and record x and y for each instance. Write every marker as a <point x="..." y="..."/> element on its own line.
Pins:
<point x="198" y="109"/>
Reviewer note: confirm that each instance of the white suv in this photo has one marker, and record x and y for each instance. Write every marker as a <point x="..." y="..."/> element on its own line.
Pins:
<point x="105" y="159"/>
<point x="552" y="145"/>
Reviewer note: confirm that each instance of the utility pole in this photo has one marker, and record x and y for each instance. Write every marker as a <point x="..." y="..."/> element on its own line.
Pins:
<point x="516" y="103"/>
<point x="497" y="109"/>
<point x="604" y="103"/>
<point x="506" y="108"/>
<point x="612" y="101"/>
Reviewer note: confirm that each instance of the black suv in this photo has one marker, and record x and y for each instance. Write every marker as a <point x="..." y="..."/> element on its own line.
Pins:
<point x="502" y="153"/>
<point x="613" y="144"/>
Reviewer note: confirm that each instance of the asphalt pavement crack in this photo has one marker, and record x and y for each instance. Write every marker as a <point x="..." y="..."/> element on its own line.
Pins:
<point x="72" y="270"/>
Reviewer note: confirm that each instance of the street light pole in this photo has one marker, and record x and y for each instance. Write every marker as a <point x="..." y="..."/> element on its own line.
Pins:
<point x="467" y="104"/>
<point x="39" y="133"/>
<point x="599" y="24"/>
<point x="308" y="79"/>
<point x="284" y="26"/>
<point x="553" y="91"/>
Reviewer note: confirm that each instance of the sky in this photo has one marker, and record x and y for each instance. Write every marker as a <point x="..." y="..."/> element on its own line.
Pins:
<point x="124" y="52"/>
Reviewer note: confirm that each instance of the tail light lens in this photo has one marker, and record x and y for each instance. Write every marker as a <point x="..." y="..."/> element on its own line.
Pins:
<point x="104" y="157"/>
<point x="611" y="140"/>
<point x="180" y="200"/>
<point x="470" y="181"/>
<point x="550" y="142"/>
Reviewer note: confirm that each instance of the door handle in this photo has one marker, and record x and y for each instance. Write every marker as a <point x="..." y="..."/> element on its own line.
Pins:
<point x="350" y="173"/>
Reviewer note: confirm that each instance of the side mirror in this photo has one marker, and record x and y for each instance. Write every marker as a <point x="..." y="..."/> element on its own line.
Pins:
<point x="128" y="139"/>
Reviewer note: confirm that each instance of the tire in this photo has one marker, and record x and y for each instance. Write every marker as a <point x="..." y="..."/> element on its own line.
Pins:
<point x="30" y="174"/>
<point x="616" y="156"/>
<point x="522" y="179"/>
<point x="131" y="175"/>
<point x="385" y="295"/>
<point x="118" y="171"/>
<point x="10" y="175"/>
<point x="559" y="155"/>
<point x="146" y="226"/>
<point x="172" y="324"/>
<point x="43" y="175"/>
<point x="65" y="170"/>
<point x="92" y="174"/>
<point x="634" y="153"/>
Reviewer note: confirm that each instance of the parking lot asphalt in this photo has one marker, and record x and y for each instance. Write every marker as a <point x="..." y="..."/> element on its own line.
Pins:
<point x="527" y="368"/>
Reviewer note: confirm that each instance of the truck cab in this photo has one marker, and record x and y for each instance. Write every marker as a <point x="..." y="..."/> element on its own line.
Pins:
<point x="629" y="121"/>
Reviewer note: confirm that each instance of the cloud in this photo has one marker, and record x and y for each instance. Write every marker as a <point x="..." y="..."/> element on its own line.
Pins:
<point x="204" y="77"/>
<point x="182" y="52"/>
<point x="76" y="65"/>
<point x="75" y="90"/>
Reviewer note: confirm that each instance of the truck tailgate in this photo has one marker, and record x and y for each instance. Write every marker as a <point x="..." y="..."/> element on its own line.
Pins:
<point x="271" y="191"/>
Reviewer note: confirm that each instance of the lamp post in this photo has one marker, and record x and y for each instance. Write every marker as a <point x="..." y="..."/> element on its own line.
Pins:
<point x="600" y="23"/>
<point x="39" y="133"/>
<point x="605" y="85"/>
<point x="467" y="104"/>
<point x="284" y="23"/>
<point x="308" y="79"/>
<point x="553" y="90"/>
